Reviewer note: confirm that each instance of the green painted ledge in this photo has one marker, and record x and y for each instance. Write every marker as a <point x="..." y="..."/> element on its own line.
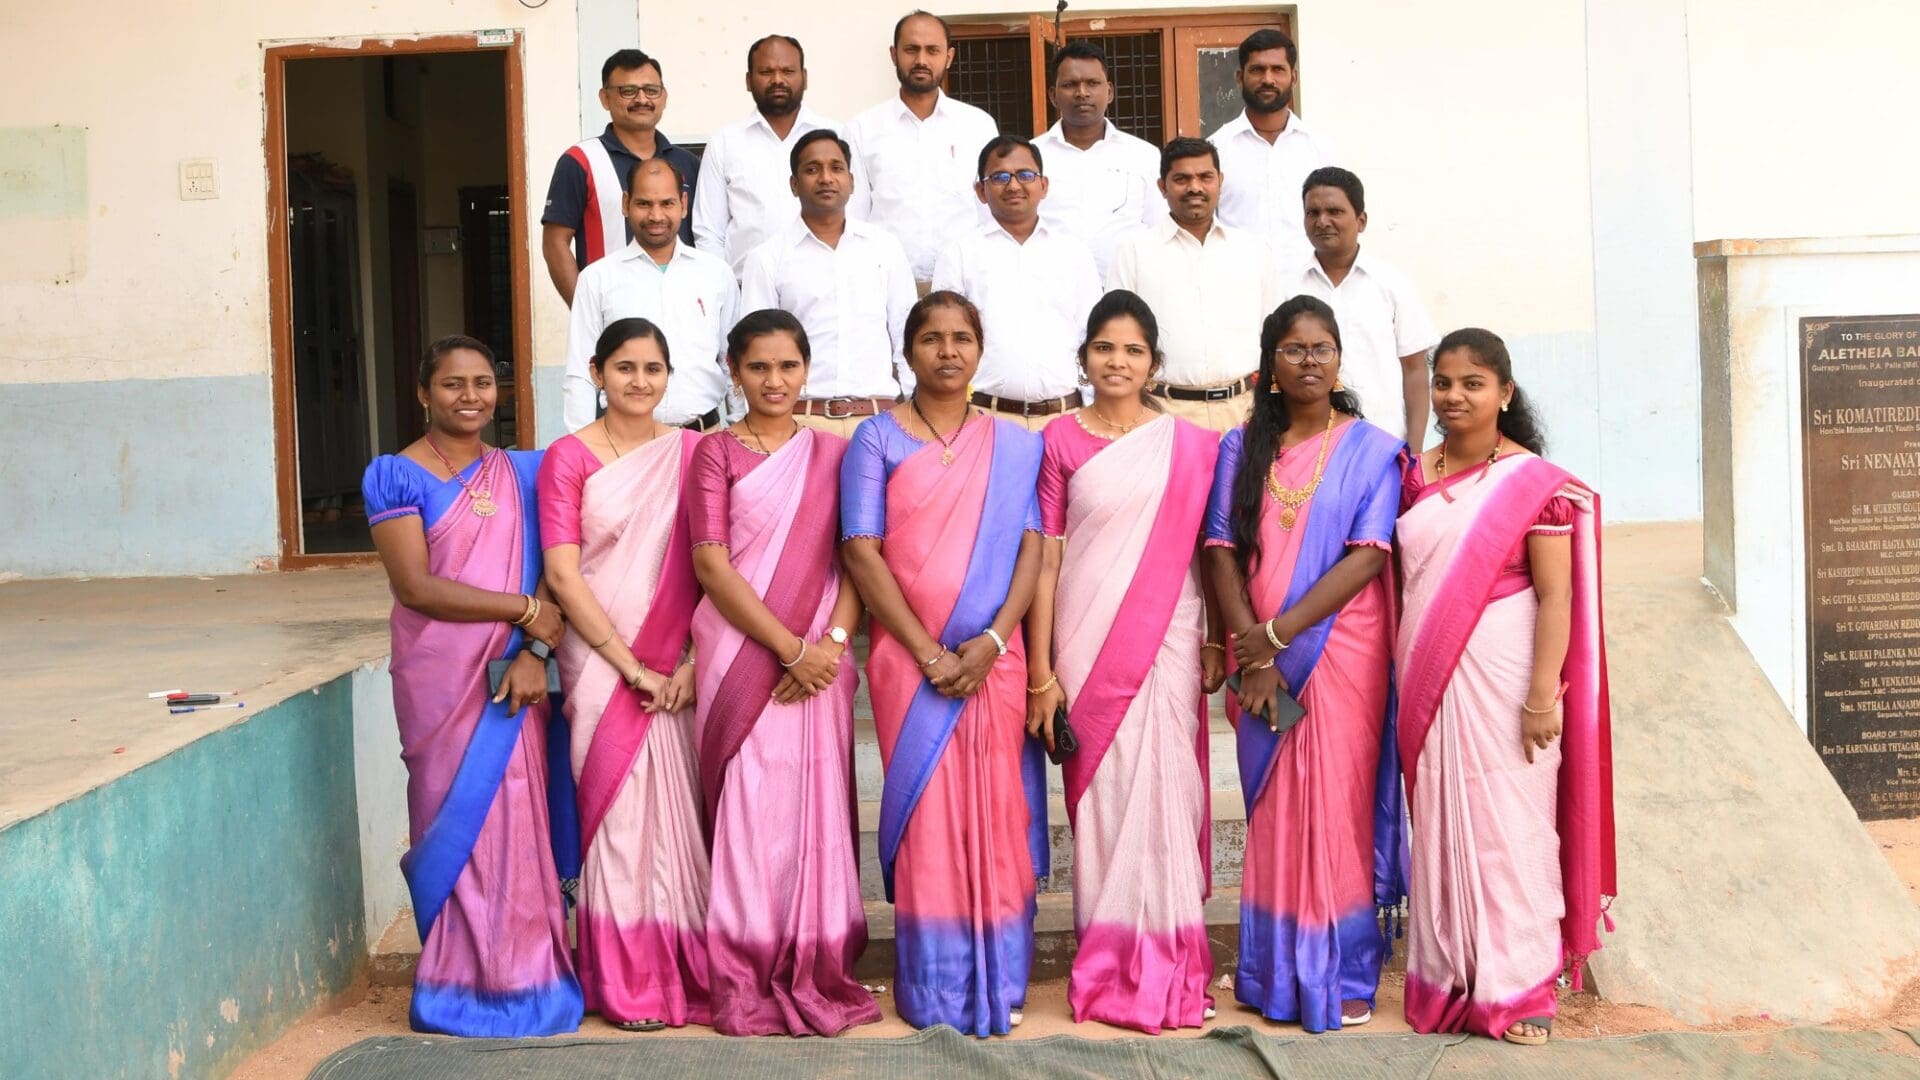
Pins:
<point x="172" y="922"/>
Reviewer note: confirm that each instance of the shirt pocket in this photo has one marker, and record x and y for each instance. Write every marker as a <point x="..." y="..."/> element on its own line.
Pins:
<point x="865" y="293"/>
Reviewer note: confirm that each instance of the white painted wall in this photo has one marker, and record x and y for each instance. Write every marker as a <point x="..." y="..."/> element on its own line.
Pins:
<point x="1770" y="287"/>
<point x="1802" y="118"/>
<point x="185" y="80"/>
<point x="380" y="792"/>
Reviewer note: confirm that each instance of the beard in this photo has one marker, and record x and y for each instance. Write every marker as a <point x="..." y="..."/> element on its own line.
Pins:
<point x="905" y="75"/>
<point x="1254" y="104"/>
<point x="771" y="107"/>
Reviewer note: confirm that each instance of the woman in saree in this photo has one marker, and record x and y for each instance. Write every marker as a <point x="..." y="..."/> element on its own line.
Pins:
<point x="774" y="718"/>
<point x="456" y="526"/>
<point x="1298" y="536"/>
<point x="620" y="560"/>
<point x="1503" y="719"/>
<point x="940" y="531"/>
<point x="1119" y="634"/>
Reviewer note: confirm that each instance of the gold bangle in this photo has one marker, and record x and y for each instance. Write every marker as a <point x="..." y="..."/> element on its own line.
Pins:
<point x="934" y="659"/>
<point x="527" y="614"/>
<point x="603" y="641"/>
<point x="1213" y="645"/>
<point x="1052" y="681"/>
<point x="1274" y="639"/>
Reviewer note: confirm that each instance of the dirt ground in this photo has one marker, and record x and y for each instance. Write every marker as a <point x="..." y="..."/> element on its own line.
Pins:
<point x="382" y="1010"/>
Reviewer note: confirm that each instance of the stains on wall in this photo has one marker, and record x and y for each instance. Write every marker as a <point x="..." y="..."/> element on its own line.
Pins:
<point x="43" y="204"/>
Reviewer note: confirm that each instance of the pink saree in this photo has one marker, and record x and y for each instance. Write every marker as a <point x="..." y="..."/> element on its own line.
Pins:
<point x="1513" y="864"/>
<point x="480" y="869"/>
<point x="641" y="921"/>
<point x="784" y="918"/>
<point x="961" y="785"/>
<point x="1128" y="625"/>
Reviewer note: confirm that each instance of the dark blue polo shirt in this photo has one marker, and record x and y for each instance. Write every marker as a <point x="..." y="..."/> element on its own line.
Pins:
<point x="567" y="194"/>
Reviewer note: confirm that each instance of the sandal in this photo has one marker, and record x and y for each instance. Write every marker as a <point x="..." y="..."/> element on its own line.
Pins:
<point x="1355" y="1019"/>
<point x="1521" y="1038"/>
<point x="641" y="1025"/>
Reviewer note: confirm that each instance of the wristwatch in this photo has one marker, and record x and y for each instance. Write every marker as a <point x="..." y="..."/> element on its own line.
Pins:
<point x="540" y="650"/>
<point x="838" y="636"/>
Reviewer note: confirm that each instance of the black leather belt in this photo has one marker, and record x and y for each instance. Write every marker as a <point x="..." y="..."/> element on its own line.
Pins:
<point x="1027" y="408"/>
<point x="707" y="421"/>
<point x="1205" y="393"/>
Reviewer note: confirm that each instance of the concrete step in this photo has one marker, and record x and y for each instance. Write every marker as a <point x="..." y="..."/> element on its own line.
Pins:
<point x="1229" y="844"/>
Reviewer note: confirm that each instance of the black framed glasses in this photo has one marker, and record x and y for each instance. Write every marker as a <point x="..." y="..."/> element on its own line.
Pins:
<point x="1297" y="354"/>
<point x="1003" y="177"/>
<point x="630" y="91"/>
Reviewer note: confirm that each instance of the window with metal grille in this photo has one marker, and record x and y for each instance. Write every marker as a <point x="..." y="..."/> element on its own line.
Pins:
<point x="996" y="74"/>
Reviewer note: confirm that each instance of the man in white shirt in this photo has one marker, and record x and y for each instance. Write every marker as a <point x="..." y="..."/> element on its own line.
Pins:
<point x="914" y="152"/>
<point x="1102" y="179"/>
<point x="1384" y="330"/>
<point x="689" y="294"/>
<point x="1033" y="284"/>
<point x="1267" y="151"/>
<point x="1210" y="287"/>
<point x="744" y="194"/>
<point x="847" y="282"/>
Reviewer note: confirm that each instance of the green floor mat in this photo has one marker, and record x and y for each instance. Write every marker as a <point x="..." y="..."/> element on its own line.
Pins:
<point x="942" y="1053"/>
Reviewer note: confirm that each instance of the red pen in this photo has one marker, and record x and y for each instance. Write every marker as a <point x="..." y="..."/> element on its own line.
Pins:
<point x="703" y="306"/>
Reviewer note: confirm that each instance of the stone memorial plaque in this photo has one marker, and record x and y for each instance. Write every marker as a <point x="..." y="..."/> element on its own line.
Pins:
<point x="1860" y="426"/>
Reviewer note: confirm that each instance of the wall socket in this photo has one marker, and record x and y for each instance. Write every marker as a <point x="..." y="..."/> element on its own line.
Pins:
<point x="198" y="180"/>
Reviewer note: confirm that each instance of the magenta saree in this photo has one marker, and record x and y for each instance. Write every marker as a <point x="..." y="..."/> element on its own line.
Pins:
<point x="964" y="784"/>
<point x="1513" y="863"/>
<point x="641" y="920"/>
<point x="1128" y="625"/>
<point x="486" y="896"/>
<point x="1323" y="806"/>
<point x="784" y="919"/>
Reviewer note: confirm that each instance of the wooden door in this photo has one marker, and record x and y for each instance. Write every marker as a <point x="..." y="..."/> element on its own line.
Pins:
<point x="1205" y="59"/>
<point x="403" y="258"/>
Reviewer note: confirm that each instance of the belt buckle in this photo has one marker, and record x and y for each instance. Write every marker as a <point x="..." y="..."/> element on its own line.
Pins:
<point x="830" y="414"/>
<point x="1217" y="393"/>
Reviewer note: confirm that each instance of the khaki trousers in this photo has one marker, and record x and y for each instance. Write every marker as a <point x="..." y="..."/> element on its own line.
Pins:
<point x="1222" y="415"/>
<point x="1031" y="423"/>
<point x="841" y="426"/>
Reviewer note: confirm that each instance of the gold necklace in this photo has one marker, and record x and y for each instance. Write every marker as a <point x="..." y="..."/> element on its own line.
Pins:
<point x="1440" y="467"/>
<point x="1123" y="429"/>
<point x="482" y="496"/>
<point x="946" y="441"/>
<point x="607" y="433"/>
<point x="1292" y="499"/>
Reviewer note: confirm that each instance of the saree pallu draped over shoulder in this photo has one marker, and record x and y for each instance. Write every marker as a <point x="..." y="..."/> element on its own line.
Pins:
<point x="1325" y="844"/>
<point x="784" y="918"/>
<point x="1129" y="621"/>
<point x="1513" y="862"/>
<point x="641" y="922"/>
<point x="963" y="810"/>
<point x="481" y="870"/>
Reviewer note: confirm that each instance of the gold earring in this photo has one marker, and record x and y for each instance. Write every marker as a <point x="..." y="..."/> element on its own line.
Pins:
<point x="1273" y="384"/>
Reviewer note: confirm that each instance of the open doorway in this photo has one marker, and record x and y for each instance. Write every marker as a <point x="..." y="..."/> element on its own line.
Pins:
<point x="378" y="155"/>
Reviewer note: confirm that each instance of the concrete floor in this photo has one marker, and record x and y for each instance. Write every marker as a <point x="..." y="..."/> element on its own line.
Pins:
<point x="78" y="657"/>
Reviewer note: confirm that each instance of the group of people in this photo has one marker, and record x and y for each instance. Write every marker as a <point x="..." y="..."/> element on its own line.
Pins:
<point x="817" y="418"/>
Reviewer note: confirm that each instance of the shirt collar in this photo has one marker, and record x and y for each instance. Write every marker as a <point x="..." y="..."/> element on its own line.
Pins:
<point x="1239" y="124"/>
<point x="940" y="107"/>
<point x="1057" y="133"/>
<point x="805" y="120"/>
<point x="662" y="146"/>
<point x="996" y="230"/>
<point x="1360" y="266"/>
<point x="1171" y="230"/>
<point x="634" y="252"/>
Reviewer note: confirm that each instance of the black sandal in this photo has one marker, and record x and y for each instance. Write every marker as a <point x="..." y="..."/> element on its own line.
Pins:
<point x="641" y="1025"/>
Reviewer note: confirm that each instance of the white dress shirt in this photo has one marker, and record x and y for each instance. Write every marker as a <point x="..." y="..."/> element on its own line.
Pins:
<point x="1210" y="298"/>
<point x="852" y="298"/>
<point x="692" y="299"/>
<point x="744" y="195"/>
<point x="1381" y="320"/>
<point x="1260" y="181"/>
<point x="918" y="174"/>
<point x="1102" y="193"/>
<point x="1033" y="300"/>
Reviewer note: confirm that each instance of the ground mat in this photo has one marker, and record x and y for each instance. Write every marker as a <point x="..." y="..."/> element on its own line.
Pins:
<point x="942" y="1052"/>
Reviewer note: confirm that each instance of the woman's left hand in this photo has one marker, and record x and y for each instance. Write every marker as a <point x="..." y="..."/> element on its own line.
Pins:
<point x="976" y="656"/>
<point x="677" y="694"/>
<point x="525" y="683"/>
<point x="1538" y="730"/>
<point x="1252" y="648"/>
<point x="1213" y="670"/>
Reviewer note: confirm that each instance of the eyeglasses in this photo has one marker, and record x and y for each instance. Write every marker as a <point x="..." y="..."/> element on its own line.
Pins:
<point x="629" y="92"/>
<point x="1297" y="354"/>
<point x="1003" y="177"/>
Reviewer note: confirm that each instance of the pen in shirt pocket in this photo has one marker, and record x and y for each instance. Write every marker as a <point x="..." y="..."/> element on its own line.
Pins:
<point x="703" y="306"/>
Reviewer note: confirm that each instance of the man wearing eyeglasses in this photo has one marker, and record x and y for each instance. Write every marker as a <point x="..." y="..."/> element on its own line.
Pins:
<point x="1033" y="283"/>
<point x="1102" y="178"/>
<point x="584" y="218"/>
<point x="1384" y="330"/>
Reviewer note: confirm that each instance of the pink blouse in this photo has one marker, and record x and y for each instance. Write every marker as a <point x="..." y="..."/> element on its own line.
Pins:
<point x="1556" y="519"/>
